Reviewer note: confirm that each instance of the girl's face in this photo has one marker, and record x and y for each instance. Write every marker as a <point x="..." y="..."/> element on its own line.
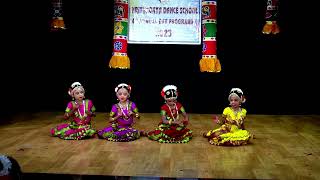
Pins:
<point x="171" y="102"/>
<point x="234" y="102"/>
<point x="78" y="94"/>
<point x="123" y="94"/>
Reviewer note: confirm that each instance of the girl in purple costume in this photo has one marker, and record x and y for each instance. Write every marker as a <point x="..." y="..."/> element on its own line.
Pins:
<point x="80" y="110"/>
<point x="122" y="118"/>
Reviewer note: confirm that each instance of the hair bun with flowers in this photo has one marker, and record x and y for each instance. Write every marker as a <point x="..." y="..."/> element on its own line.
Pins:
<point x="238" y="92"/>
<point x="123" y="85"/>
<point x="169" y="92"/>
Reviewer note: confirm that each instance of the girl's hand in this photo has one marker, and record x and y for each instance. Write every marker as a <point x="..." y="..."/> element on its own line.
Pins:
<point x="185" y="122"/>
<point x="112" y="120"/>
<point x="137" y="115"/>
<point x="120" y="113"/>
<point x="234" y="122"/>
<point x="230" y="121"/>
<point x="178" y="122"/>
<point x="237" y="123"/>
<point x="130" y="113"/>
<point x="241" y="120"/>
<point x="216" y="119"/>
<point x="75" y="107"/>
<point x="63" y="117"/>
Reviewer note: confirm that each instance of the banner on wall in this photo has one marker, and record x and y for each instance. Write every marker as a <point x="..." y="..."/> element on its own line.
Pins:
<point x="164" y="22"/>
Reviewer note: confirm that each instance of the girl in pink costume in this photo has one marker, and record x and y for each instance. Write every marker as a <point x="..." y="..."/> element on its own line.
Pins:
<point x="80" y="110"/>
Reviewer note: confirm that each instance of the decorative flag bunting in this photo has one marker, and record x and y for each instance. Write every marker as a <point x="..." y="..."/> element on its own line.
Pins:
<point x="119" y="57"/>
<point x="271" y="26"/>
<point x="209" y="61"/>
<point x="57" y="22"/>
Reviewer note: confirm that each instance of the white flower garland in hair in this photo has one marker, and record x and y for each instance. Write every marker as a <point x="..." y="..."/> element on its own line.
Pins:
<point x="6" y="165"/>
<point x="234" y="91"/>
<point x="73" y="85"/>
<point x="237" y="90"/>
<point x="167" y="87"/>
<point x="121" y="85"/>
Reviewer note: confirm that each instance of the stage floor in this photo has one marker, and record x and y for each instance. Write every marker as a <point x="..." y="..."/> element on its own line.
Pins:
<point x="285" y="147"/>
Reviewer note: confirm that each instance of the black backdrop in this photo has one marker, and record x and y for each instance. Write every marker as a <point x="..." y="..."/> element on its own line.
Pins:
<point x="277" y="73"/>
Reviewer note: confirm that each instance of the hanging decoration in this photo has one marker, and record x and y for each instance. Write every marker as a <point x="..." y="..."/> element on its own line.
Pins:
<point x="119" y="57"/>
<point x="209" y="61"/>
<point x="57" y="22"/>
<point x="271" y="26"/>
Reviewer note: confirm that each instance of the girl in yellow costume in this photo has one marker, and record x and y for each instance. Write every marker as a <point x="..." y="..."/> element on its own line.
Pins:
<point x="232" y="131"/>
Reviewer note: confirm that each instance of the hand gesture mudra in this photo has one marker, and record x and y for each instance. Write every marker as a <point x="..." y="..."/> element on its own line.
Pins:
<point x="120" y="114"/>
<point x="130" y="113"/>
<point x="75" y="107"/>
<point x="216" y="119"/>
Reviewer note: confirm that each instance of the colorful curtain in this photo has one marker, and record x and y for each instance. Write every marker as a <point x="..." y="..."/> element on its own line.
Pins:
<point x="271" y="26"/>
<point x="119" y="57"/>
<point x="209" y="61"/>
<point x="57" y="22"/>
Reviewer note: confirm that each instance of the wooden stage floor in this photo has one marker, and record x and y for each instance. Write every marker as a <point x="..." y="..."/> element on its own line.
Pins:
<point x="285" y="147"/>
